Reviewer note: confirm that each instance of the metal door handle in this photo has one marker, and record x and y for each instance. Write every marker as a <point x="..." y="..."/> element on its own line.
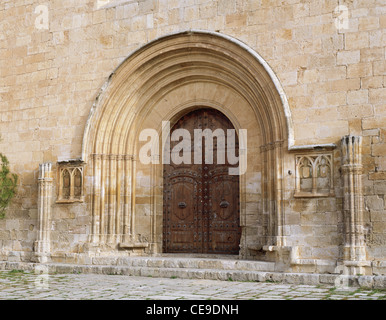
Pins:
<point x="182" y="205"/>
<point x="224" y="204"/>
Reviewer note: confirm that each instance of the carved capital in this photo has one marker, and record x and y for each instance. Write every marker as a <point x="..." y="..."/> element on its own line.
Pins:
<point x="96" y="156"/>
<point x="271" y="146"/>
<point x="351" y="150"/>
<point x="45" y="172"/>
<point x="128" y="157"/>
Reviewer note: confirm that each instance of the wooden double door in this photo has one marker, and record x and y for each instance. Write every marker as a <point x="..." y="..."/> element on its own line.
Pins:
<point x="201" y="200"/>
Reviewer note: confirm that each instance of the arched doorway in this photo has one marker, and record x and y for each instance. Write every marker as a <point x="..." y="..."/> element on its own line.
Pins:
<point x="201" y="207"/>
<point x="160" y="82"/>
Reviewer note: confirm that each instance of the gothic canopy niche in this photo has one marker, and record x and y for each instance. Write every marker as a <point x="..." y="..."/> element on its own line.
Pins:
<point x="219" y="72"/>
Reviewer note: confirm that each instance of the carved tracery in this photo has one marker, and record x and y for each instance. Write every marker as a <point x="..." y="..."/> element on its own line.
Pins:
<point x="70" y="182"/>
<point x="314" y="175"/>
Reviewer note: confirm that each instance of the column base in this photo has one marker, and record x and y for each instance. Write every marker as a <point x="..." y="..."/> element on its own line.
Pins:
<point x="42" y="251"/>
<point x="355" y="268"/>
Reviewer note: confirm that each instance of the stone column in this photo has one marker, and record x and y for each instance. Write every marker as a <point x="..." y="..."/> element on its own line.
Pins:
<point x="354" y="250"/>
<point x="272" y="192"/>
<point x="42" y="245"/>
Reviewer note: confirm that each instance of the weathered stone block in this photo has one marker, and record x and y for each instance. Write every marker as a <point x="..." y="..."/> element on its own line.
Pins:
<point x="379" y="282"/>
<point x="348" y="57"/>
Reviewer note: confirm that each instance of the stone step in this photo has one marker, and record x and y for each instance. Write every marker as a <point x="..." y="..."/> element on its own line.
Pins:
<point x="184" y="263"/>
<point x="207" y="274"/>
<point x="191" y="273"/>
<point x="157" y="272"/>
<point x="374" y="282"/>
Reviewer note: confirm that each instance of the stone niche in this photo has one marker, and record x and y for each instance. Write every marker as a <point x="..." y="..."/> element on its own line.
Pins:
<point x="70" y="181"/>
<point x="314" y="174"/>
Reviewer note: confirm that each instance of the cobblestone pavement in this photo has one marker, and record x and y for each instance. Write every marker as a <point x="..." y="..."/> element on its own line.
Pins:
<point x="23" y="285"/>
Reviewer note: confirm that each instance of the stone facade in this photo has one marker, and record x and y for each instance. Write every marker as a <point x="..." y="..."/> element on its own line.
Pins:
<point x="81" y="78"/>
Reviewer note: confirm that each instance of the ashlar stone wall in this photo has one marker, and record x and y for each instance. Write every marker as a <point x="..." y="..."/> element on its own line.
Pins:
<point x="329" y="56"/>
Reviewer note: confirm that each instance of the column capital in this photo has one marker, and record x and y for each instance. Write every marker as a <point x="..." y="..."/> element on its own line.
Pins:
<point x="45" y="172"/>
<point x="351" y="150"/>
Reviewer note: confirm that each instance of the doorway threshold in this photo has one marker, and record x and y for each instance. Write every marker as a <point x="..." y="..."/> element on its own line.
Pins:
<point x="199" y="256"/>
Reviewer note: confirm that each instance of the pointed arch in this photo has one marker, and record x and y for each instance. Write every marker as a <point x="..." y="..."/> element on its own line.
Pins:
<point x="159" y="81"/>
<point x="164" y="62"/>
